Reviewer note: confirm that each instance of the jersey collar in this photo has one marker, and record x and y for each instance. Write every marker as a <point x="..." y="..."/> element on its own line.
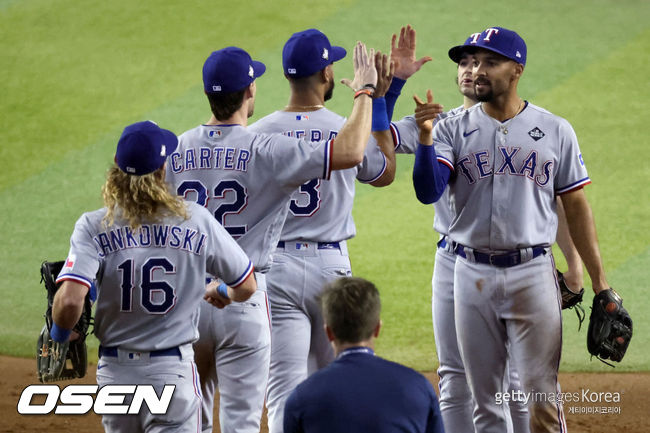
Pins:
<point x="357" y="350"/>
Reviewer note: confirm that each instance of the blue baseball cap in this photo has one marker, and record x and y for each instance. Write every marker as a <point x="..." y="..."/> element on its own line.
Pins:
<point x="143" y="148"/>
<point x="456" y="53"/>
<point x="308" y="52"/>
<point x="229" y="70"/>
<point x="496" y="39"/>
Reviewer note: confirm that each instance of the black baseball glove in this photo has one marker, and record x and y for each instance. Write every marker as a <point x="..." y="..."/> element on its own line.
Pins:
<point x="610" y="327"/>
<point x="571" y="299"/>
<point x="67" y="360"/>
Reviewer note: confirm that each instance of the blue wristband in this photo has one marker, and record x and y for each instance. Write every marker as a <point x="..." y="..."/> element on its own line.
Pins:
<point x="379" y="117"/>
<point x="396" y="86"/>
<point x="58" y="334"/>
<point x="222" y="289"/>
<point x="392" y="94"/>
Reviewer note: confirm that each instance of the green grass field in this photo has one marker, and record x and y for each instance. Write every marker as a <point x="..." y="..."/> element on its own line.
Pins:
<point x="75" y="73"/>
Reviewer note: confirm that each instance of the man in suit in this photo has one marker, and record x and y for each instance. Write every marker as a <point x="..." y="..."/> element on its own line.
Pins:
<point x="360" y="392"/>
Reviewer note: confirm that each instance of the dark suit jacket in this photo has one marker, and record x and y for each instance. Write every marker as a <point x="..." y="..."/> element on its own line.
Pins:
<point x="362" y="393"/>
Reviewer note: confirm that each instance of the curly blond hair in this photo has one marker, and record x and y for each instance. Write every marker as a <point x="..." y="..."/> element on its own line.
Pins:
<point x="139" y="198"/>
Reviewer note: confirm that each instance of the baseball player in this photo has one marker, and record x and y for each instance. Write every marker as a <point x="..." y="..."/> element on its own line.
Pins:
<point x="149" y="252"/>
<point x="455" y="396"/>
<point x="246" y="181"/>
<point x="510" y="160"/>
<point x="360" y="392"/>
<point x="312" y="250"/>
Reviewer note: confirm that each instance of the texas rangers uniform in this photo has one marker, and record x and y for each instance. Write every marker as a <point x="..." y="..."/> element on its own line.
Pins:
<point x="312" y="252"/>
<point x="507" y="303"/>
<point x="150" y="282"/>
<point x="245" y="180"/>
<point x="455" y="397"/>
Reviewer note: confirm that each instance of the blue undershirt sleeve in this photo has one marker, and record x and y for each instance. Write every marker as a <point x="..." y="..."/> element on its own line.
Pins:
<point x="392" y="94"/>
<point x="430" y="177"/>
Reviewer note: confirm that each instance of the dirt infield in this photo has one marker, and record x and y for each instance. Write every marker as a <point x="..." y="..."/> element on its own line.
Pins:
<point x="594" y="402"/>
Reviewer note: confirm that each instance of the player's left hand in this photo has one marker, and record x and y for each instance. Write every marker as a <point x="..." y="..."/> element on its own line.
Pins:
<point x="403" y="53"/>
<point x="213" y="297"/>
<point x="385" y="70"/>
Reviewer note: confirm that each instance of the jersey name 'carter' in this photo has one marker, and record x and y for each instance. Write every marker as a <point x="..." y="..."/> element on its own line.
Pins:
<point x="154" y="235"/>
<point x="206" y="158"/>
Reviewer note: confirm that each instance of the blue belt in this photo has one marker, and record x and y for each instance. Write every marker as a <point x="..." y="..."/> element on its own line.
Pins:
<point x="502" y="260"/>
<point x="444" y="241"/>
<point x="112" y="352"/>
<point x="320" y="245"/>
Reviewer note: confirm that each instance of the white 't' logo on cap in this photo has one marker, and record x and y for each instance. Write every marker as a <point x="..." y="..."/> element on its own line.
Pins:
<point x="518" y="54"/>
<point x="163" y="150"/>
<point x="251" y="73"/>
<point x="326" y="54"/>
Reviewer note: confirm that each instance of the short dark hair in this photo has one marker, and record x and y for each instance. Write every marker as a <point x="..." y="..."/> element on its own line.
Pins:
<point x="223" y="106"/>
<point x="351" y="309"/>
<point x="303" y="82"/>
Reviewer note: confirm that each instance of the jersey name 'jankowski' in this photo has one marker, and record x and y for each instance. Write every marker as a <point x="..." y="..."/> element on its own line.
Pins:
<point x="155" y="235"/>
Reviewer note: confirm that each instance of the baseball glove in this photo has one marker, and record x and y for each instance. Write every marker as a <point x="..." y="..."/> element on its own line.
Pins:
<point x="610" y="327"/>
<point x="571" y="299"/>
<point x="67" y="360"/>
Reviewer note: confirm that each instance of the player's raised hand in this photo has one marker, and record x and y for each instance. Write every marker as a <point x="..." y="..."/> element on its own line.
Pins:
<point x="403" y="53"/>
<point x="385" y="70"/>
<point x="365" y="72"/>
<point x="425" y="113"/>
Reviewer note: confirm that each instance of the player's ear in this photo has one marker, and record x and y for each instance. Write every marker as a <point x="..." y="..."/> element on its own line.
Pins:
<point x="375" y="333"/>
<point x="250" y="91"/>
<point x="327" y="74"/>
<point x="519" y="70"/>
<point x="330" y="334"/>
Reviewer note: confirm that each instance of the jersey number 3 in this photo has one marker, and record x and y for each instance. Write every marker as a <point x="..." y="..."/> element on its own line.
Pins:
<point x="310" y="189"/>
<point x="226" y="189"/>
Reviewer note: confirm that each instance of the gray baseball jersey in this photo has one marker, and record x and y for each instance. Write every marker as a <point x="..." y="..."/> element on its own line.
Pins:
<point x="502" y="196"/>
<point x="150" y="281"/>
<point x="406" y="136"/>
<point x="245" y="179"/>
<point x="525" y="161"/>
<point x="319" y="221"/>
<point x="322" y="211"/>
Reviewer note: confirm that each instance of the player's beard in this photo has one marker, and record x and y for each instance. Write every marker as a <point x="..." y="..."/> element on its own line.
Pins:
<point x="251" y="108"/>
<point x="486" y="95"/>
<point x="329" y="92"/>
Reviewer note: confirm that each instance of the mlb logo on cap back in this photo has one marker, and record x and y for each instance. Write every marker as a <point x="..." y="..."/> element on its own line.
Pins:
<point x="230" y="70"/>
<point x="144" y="147"/>
<point x="308" y="52"/>
<point x="497" y="39"/>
